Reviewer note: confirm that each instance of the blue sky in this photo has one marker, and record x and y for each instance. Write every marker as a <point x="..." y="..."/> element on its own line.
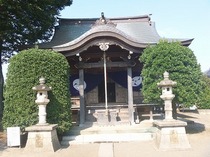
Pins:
<point x="173" y="18"/>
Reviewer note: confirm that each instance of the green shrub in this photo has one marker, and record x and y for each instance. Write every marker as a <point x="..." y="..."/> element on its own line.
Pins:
<point x="182" y="66"/>
<point x="204" y="96"/>
<point x="24" y="72"/>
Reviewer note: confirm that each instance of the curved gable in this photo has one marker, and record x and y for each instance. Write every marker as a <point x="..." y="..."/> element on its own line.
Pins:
<point x="102" y="33"/>
<point x="128" y="32"/>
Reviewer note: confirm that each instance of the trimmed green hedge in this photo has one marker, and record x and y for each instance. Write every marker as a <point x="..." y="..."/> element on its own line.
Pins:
<point x="24" y="72"/>
<point x="182" y="66"/>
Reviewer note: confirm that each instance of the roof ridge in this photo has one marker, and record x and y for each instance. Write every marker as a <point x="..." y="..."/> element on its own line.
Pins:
<point x="112" y="18"/>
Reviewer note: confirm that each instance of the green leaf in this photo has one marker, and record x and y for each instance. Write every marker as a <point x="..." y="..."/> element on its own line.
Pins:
<point x="182" y="66"/>
<point x="24" y="72"/>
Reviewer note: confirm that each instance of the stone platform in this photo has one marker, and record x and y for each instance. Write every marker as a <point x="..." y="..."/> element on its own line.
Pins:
<point x="42" y="138"/>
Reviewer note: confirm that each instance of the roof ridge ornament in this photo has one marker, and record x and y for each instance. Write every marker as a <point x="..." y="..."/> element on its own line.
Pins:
<point x="104" y="21"/>
<point x="104" y="46"/>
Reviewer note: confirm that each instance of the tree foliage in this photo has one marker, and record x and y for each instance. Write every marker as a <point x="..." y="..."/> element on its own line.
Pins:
<point x="205" y="93"/>
<point x="24" y="72"/>
<point x="182" y="66"/>
<point x="25" y="22"/>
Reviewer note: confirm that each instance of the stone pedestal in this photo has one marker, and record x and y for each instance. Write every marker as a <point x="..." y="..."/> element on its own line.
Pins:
<point x="42" y="114"/>
<point x="171" y="135"/>
<point x="107" y="119"/>
<point x="42" y="138"/>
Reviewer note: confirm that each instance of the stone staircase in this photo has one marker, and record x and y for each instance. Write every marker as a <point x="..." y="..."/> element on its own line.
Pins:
<point x="109" y="133"/>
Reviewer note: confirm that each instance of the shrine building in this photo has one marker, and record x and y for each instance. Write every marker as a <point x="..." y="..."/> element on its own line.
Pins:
<point x="105" y="70"/>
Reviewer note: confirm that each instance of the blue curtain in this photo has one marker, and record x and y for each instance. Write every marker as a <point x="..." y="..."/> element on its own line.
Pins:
<point x="90" y="82"/>
<point x="93" y="80"/>
<point x="121" y="78"/>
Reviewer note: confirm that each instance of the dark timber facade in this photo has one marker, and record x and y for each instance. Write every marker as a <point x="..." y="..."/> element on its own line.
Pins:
<point x="103" y="55"/>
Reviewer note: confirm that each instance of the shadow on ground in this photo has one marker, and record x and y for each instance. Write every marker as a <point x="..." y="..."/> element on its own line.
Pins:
<point x="195" y="128"/>
<point x="192" y="126"/>
<point x="185" y="115"/>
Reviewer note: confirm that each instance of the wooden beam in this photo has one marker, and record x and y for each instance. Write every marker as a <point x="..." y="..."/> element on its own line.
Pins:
<point x="100" y="64"/>
<point x="100" y="54"/>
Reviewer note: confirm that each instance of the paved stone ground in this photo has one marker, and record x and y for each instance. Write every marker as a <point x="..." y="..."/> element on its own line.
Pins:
<point x="198" y="134"/>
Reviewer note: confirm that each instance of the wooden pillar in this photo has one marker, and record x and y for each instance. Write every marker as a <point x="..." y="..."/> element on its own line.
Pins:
<point x="82" y="97"/>
<point x="130" y="95"/>
<point x="105" y="83"/>
<point x="104" y="47"/>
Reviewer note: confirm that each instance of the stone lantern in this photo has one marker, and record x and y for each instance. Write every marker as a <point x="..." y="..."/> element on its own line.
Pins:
<point x="171" y="134"/>
<point x="42" y="137"/>
<point x="167" y="95"/>
<point x="42" y="100"/>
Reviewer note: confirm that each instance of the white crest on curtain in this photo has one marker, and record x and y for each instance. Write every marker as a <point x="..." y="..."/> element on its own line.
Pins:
<point x="76" y="84"/>
<point x="136" y="81"/>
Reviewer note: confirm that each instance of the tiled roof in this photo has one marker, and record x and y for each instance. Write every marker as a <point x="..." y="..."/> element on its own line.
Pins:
<point x="66" y="33"/>
<point x="139" y="30"/>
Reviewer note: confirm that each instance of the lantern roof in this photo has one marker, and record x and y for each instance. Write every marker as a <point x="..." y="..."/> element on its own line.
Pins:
<point x="42" y="86"/>
<point x="166" y="82"/>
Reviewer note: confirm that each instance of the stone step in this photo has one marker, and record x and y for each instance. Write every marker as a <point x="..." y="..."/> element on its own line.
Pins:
<point x="106" y="138"/>
<point x="109" y="130"/>
<point x="100" y="134"/>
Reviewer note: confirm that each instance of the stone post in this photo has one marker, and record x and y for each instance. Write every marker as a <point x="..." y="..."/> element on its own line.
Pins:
<point x="171" y="134"/>
<point x="42" y="100"/>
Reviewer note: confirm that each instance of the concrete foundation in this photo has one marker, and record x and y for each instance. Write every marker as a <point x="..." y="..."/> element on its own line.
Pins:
<point x="42" y="138"/>
<point x="171" y="135"/>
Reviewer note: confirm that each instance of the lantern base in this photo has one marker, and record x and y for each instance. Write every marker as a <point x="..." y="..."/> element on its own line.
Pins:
<point x="42" y="138"/>
<point x="171" y="135"/>
<point x="42" y="124"/>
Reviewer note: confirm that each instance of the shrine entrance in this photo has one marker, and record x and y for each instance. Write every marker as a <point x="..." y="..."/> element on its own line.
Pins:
<point x="111" y="96"/>
<point x="105" y="69"/>
<point x="103" y="55"/>
<point x="103" y="81"/>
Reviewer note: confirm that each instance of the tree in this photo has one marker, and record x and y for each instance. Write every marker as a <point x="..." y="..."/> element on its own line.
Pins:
<point x="182" y="66"/>
<point x="205" y="93"/>
<point x="24" y="72"/>
<point x="25" y="22"/>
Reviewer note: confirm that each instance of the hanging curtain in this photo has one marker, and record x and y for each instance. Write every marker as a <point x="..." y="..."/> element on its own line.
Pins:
<point x="90" y="82"/>
<point x="121" y="78"/>
<point x="93" y="80"/>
